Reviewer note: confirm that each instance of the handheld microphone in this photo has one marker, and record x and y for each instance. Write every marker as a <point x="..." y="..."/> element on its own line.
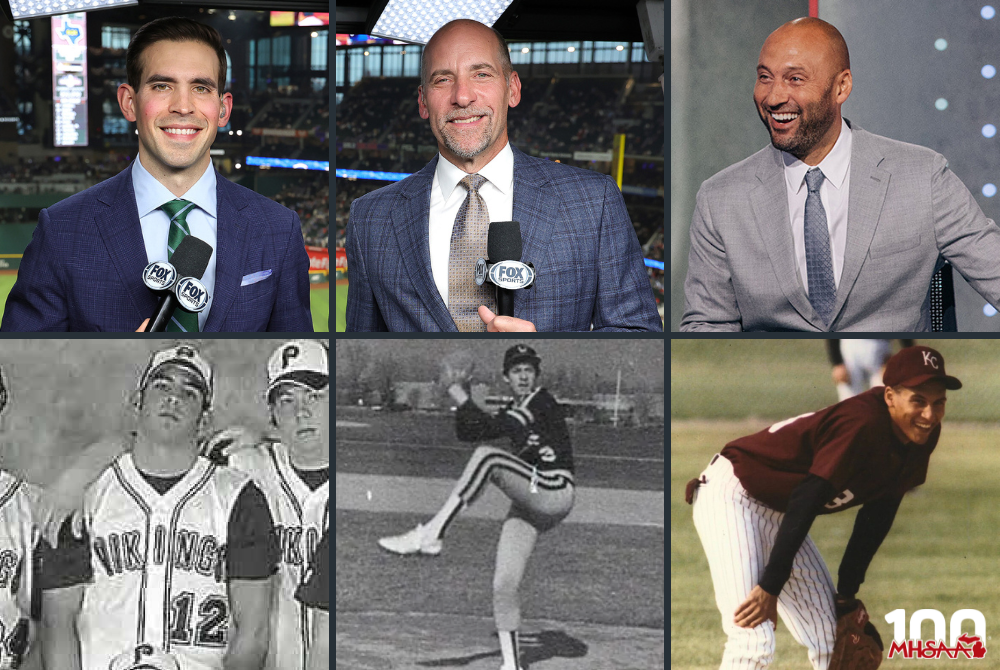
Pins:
<point x="504" y="268"/>
<point x="189" y="262"/>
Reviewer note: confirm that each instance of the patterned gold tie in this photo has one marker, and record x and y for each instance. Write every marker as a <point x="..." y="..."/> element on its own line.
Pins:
<point x="468" y="245"/>
<point x="182" y="321"/>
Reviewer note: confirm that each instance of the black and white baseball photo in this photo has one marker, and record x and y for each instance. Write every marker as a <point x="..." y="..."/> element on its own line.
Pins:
<point x="162" y="503"/>
<point x="500" y="504"/>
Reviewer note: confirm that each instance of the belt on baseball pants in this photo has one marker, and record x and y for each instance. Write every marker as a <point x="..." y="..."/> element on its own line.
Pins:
<point x="693" y="485"/>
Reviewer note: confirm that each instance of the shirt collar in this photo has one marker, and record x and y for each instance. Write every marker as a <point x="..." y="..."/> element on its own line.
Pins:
<point x="834" y="166"/>
<point x="499" y="172"/>
<point x="150" y="194"/>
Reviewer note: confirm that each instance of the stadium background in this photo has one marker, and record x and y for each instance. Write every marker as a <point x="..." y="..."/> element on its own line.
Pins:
<point x="577" y="95"/>
<point x="941" y="552"/>
<point x="279" y="77"/>
<point x="924" y="72"/>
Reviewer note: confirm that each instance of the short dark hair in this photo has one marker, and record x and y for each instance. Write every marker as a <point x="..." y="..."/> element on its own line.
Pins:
<point x="503" y="52"/>
<point x="172" y="29"/>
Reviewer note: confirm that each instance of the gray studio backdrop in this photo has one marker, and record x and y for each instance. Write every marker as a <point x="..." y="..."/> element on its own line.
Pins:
<point x="899" y="74"/>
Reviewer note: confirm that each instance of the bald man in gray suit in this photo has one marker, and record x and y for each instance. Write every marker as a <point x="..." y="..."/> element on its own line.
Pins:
<point x="831" y="228"/>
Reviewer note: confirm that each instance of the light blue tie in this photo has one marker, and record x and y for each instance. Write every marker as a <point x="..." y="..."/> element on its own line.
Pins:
<point x="819" y="260"/>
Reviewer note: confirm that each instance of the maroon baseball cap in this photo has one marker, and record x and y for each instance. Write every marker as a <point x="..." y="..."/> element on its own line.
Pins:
<point x="913" y="366"/>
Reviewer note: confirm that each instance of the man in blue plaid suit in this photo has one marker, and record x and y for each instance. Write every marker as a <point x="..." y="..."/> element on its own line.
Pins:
<point x="574" y="225"/>
<point x="83" y="269"/>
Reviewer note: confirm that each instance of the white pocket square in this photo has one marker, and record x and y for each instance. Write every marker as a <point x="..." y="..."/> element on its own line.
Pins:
<point x="255" y="277"/>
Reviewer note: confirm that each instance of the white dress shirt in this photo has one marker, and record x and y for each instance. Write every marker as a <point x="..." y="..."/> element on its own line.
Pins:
<point x="202" y="221"/>
<point x="833" y="193"/>
<point x="447" y="196"/>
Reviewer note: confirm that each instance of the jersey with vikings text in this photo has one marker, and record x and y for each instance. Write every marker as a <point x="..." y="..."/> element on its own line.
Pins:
<point x="17" y="540"/>
<point x="536" y="427"/>
<point x="159" y="564"/>
<point x="851" y="445"/>
<point x="300" y="517"/>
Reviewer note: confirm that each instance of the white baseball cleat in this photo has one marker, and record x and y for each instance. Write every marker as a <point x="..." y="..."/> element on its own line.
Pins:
<point x="415" y="541"/>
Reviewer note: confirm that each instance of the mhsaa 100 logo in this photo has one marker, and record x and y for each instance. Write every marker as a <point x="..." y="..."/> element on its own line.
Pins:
<point x="963" y="645"/>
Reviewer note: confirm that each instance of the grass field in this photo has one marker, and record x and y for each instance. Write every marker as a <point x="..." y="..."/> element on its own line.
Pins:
<point x="941" y="553"/>
<point x="319" y="301"/>
<point x="342" y="306"/>
<point x="777" y="379"/>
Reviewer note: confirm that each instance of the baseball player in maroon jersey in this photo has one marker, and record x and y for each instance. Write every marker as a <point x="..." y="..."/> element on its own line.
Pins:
<point x="538" y="479"/>
<point x="755" y="503"/>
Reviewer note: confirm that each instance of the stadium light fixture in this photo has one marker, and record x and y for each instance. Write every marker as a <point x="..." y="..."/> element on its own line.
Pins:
<point x="416" y="20"/>
<point x="24" y="9"/>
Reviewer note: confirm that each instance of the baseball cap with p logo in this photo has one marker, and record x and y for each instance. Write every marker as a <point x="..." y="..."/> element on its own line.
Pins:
<point x="913" y="366"/>
<point x="301" y="362"/>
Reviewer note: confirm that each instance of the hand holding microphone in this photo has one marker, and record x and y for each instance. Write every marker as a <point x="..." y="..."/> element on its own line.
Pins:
<point x="504" y="270"/>
<point x="181" y="279"/>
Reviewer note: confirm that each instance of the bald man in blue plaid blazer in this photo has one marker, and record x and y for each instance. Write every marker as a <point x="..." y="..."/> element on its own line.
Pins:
<point x="575" y="230"/>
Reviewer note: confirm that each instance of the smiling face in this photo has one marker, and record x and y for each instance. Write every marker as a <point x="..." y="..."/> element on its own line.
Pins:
<point x="172" y="405"/>
<point x="522" y="378"/>
<point x="803" y="78"/>
<point x="465" y="94"/>
<point x="177" y="108"/>
<point x="302" y="416"/>
<point x="916" y="411"/>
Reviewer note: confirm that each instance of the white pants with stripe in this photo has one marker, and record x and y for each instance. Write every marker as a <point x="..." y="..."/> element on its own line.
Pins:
<point x="738" y="534"/>
<point x="864" y="360"/>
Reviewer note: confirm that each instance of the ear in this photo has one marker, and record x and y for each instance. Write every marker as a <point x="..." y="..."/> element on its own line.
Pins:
<point x="889" y="395"/>
<point x="135" y="400"/>
<point x="127" y="102"/>
<point x="205" y="422"/>
<point x="227" y="109"/>
<point x="421" y="105"/>
<point x="514" y="88"/>
<point x="843" y="86"/>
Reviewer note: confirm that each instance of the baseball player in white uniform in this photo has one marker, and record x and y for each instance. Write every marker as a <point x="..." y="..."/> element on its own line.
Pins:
<point x="314" y="593"/>
<point x="18" y="604"/>
<point x="294" y="475"/>
<point x="178" y="552"/>
<point x="857" y="363"/>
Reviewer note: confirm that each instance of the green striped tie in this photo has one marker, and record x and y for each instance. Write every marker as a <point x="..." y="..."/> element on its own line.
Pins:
<point x="182" y="321"/>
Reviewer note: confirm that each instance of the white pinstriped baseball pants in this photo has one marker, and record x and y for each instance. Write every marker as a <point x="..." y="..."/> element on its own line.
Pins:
<point x="738" y="534"/>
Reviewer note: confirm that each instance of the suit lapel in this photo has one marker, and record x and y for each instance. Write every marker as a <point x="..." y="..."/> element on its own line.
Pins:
<point x="769" y="202"/>
<point x="119" y="227"/>
<point x="230" y="251"/>
<point x="411" y="223"/>
<point x="533" y="209"/>
<point x="869" y="184"/>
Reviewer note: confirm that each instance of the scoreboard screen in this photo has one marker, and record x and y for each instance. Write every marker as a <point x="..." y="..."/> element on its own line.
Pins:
<point x="69" y="80"/>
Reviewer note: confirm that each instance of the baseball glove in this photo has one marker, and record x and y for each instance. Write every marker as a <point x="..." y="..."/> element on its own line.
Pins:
<point x="858" y="645"/>
<point x="456" y="368"/>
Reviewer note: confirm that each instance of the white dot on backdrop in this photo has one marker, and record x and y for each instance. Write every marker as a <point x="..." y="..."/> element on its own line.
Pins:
<point x="941" y="104"/>
<point x="989" y="71"/>
<point x="989" y="130"/>
<point x="941" y="44"/>
<point x="989" y="190"/>
<point x="989" y="310"/>
<point x="987" y="12"/>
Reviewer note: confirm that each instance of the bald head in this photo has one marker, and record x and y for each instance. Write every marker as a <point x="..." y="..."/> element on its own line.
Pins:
<point x="814" y="35"/>
<point x="803" y="79"/>
<point x="466" y="26"/>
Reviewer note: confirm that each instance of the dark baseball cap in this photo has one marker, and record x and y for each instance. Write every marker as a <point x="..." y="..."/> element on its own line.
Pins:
<point x="913" y="366"/>
<point x="520" y="353"/>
